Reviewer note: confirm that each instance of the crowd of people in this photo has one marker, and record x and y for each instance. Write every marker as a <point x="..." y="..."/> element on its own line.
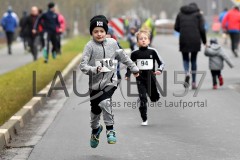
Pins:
<point x="34" y="27"/>
<point x="143" y="60"/>
<point x="102" y="54"/>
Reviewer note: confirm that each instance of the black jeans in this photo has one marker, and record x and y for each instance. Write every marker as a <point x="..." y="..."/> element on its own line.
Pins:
<point x="215" y="74"/>
<point x="146" y="85"/>
<point x="235" y="38"/>
<point x="10" y="38"/>
<point x="33" y="43"/>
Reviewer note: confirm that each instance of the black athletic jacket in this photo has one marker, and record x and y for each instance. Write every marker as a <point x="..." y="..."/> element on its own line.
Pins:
<point x="147" y="53"/>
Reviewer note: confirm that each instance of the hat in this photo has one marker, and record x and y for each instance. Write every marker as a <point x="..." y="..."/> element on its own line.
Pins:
<point x="213" y="41"/>
<point x="51" y="5"/>
<point x="98" y="21"/>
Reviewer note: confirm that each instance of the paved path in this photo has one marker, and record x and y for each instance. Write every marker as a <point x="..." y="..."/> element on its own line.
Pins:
<point x="210" y="131"/>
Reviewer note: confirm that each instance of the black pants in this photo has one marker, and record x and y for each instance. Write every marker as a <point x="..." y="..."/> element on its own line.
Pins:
<point x="146" y="85"/>
<point x="10" y="38"/>
<point x="235" y="38"/>
<point x="33" y="42"/>
<point x="59" y="43"/>
<point x="215" y="75"/>
<point x="51" y="37"/>
<point x="41" y="39"/>
<point x="99" y="95"/>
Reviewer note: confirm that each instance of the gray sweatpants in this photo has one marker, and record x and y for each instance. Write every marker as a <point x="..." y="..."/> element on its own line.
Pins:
<point x="101" y="102"/>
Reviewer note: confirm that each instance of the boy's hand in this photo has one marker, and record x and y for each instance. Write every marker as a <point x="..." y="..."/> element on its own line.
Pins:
<point x="99" y="69"/>
<point x="157" y="72"/>
<point x="126" y="78"/>
<point x="136" y="74"/>
<point x="34" y="31"/>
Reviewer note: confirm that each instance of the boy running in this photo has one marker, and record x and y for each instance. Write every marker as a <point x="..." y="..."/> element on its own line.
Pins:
<point x="99" y="62"/>
<point x="145" y="58"/>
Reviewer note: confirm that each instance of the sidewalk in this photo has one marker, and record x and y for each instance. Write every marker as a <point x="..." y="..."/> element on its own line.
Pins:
<point x="17" y="59"/>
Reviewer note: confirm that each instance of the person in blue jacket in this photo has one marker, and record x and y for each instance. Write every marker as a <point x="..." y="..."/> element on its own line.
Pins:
<point x="9" y="23"/>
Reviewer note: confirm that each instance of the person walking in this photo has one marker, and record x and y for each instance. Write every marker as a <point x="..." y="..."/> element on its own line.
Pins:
<point x="224" y="31"/>
<point x="23" y="31"/>
<point x="145" y="58"/>
<point x="132" y="38"/>
<point x="9" y="23"/>
<point x="32" y="38"/>
<point x="60" y="30"/>
<point x="231" y="23"/>
<point x="98" y="61"/>
<point x="190" y="24"/>
<point x="216" y="59"/>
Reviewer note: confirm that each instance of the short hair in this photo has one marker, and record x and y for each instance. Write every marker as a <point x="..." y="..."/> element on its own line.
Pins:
<point x="143" y="31"/>
<point x="51" y="5"/>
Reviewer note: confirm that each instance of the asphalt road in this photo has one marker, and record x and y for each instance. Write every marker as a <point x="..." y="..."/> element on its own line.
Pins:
<point x="205" y="127"/>
<point x="18" y="58"/>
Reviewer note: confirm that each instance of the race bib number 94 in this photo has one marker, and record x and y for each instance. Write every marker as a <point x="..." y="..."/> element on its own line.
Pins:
<point x="145" y="64"/>
<point x="107" y="64"/>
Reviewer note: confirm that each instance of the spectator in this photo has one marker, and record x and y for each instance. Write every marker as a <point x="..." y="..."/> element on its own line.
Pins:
<point x="23" y="29"/>
<point x="32" y="38"/>
<point x="231" y="23"/>
<point x="190" y="24"/>
<point x="60" y="29"/>
<point x="221" y="17"/>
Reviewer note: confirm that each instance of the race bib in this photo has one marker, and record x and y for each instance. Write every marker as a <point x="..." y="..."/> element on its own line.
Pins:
<point x="107" y="64"/>
<point x="145" y="64"/>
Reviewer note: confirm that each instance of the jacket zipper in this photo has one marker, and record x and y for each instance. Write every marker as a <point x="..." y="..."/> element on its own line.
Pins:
<point x="104" y="54"/>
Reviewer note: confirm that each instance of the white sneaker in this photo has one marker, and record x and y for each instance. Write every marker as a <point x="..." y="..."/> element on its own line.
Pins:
<point x="144" y="123"/>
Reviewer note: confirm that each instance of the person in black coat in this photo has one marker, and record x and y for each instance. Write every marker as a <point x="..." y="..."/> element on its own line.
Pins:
<point x="23" y="29"/>
<point x="190" y="24"/>
<point x="32" y="39"/>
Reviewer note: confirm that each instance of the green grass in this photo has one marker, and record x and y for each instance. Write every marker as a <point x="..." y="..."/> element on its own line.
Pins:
<point x="124" y="44"/>
<point x="16" y="86"/>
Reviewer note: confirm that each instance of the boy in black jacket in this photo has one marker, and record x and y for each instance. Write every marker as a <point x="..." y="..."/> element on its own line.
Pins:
<point x="145" y="58"/>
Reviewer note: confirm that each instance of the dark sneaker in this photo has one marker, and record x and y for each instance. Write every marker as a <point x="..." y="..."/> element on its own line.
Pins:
<point x="111" y="137"/>
<point x="94" y="141"/>
<point x="186" y="82"/>
<point x="220" y="78"/>
<point x="235" y="52"/>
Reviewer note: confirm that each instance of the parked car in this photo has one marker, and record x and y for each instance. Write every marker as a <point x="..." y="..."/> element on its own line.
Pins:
<point x="164" y="26"/>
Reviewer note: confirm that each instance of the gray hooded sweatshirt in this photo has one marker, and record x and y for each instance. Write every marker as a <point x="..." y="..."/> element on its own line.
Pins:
<point x="216" y="57"/>
<point x="97" y="51"/>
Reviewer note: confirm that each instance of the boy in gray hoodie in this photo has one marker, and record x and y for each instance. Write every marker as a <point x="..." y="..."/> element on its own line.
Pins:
<point x="99" y="61"/>
<point x="216" y="58"/>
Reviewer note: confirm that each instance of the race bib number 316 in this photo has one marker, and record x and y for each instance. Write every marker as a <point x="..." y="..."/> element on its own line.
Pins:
<point x="145" y="64"/>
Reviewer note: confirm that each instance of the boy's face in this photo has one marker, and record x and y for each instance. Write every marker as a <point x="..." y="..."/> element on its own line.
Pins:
<point x="143" y="40"/>
<point x="99" y="34"/>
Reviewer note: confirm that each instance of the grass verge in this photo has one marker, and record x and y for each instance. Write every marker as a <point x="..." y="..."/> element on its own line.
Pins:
<point x="16" y="86"/>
